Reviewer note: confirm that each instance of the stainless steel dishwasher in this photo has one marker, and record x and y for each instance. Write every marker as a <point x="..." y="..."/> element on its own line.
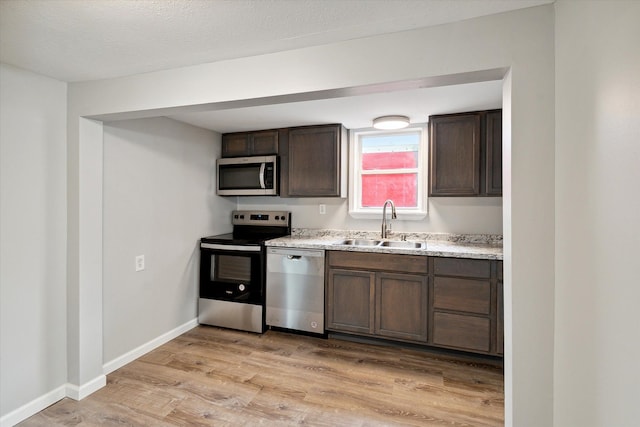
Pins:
<point x="295" y="289"/>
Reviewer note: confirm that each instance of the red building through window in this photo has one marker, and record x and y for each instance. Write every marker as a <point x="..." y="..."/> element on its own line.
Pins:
<point x="402" y="187"/>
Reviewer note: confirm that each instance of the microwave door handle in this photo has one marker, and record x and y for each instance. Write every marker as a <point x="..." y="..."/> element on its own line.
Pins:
<point x="262" y="167"/>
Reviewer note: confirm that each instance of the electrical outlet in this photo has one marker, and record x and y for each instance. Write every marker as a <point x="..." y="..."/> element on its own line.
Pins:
<point x="322" y="209"/>
<point x="140" y="263"/>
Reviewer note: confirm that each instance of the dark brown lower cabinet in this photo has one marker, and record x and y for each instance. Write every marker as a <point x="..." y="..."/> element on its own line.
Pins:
<point x="453" y="303"/>
<point x="401" y="306"/>
<point x="462" y="331"/>
<point x="350" y="298"/>
<point x="464" y="307"/>
<point x="377" y="295"/>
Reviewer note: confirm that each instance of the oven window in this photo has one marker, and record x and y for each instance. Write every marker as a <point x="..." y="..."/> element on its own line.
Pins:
<point x="230" y="268"/>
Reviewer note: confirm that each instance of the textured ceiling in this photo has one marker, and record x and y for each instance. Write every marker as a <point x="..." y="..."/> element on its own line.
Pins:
<point x="78" y="40"/>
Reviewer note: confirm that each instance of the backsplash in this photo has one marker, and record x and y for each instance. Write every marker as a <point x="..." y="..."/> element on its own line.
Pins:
<point x="456" y="215"/>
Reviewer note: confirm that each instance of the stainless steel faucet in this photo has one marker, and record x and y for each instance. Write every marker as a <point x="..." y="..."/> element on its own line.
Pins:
<point x="386" y="226"/>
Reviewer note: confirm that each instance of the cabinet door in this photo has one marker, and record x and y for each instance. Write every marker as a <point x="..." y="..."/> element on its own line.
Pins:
<point x="314" y="161"/>
<point x="455" y="155"/>
<point x="350" y="301"/>
<point x="264" y="143"/>
<point x="493" y="139"/>
<point x="401" y="306"/>
<point x="235" y="145"/>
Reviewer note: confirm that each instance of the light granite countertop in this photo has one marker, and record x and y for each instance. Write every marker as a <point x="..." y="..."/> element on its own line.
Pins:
<point x="477" y="246"/>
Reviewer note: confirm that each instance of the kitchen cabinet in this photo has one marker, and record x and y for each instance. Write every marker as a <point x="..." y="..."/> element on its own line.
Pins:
<point x="493" y="150"/>
<point x="401" y="306"/>
<point x="243" y="144"/>
<point x="313" y="162"/>
<point x="466" y="154"/>
<point x="464" y="310"/>
<point x="452" y="303"/>
<point x="350" y="300"/>
<point x="455" y="155"/>
<point x="382" y="295"/>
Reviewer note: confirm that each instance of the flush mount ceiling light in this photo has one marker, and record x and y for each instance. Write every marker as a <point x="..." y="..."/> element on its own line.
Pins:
<point x="391" y="122"/>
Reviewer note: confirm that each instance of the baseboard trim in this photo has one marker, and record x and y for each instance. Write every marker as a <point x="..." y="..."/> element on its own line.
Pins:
<point x="33" y="407"/>
<point x="80" y="392"/>
<point x="129" y="357"/>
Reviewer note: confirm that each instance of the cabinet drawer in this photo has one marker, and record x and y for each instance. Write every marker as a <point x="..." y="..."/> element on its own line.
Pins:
<point x="462" y="267"/>
<point x="469" y="295"/>
<point x="378" y="262"/>
<point x="463" y="332"/>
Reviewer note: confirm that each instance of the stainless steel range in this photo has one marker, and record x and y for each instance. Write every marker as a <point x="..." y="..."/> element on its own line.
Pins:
<point x="232" y="270"/>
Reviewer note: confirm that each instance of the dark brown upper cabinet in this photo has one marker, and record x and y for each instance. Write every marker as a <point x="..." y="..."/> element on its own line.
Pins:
<point x="466" y="154"/>
<point x="243" y="144"/>
<point x="313" y="162"/>
<point x="493" y="144"/>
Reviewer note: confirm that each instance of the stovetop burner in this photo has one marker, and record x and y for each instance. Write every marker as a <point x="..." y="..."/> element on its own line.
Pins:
<point x="230" y="239"/>
<point x="254" y="228"/>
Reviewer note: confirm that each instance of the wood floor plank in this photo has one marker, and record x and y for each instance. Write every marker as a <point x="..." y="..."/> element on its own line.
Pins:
<point x="218" y="377"/>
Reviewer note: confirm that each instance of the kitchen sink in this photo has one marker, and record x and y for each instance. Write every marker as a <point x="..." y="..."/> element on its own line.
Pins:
<point x="399" y="244"/>
<point x="402" y="244"/>
<point x="359" y="242"/>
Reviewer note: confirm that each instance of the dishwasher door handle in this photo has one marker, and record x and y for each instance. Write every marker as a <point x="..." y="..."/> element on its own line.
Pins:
<point x="292" y="253"/>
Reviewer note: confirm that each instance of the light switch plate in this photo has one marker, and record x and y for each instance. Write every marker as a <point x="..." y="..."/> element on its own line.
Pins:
<point x="140" y="263"/>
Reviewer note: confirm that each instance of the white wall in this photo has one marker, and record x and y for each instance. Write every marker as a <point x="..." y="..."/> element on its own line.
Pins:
<point x="522" y="41"/>
<point x="33" y="307"/>
<point x="159" y="199"/>
<point x="476" y="215"/>
<point x="596" y="377"/>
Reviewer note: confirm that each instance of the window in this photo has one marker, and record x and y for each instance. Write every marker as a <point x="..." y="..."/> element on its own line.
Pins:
<point x="388" y="165"/>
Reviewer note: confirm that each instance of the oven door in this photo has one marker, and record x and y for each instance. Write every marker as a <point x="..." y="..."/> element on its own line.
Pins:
<point x="232" y="273"/>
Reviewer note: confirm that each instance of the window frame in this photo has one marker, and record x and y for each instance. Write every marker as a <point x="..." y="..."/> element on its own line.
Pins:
<point x="355" y="174"/>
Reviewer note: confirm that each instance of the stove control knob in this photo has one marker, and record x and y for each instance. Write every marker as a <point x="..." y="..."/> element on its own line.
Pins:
<point x="283" y="218"/>
<point x="277" y="217"/>
<point x="235" y="216"/>
<point x="241" y="287"/>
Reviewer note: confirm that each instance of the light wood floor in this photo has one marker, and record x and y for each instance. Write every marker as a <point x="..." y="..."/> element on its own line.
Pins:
<point x="212" y="376"/>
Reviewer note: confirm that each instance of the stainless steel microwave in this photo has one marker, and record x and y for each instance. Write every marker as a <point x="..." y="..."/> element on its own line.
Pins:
<point x="248" y="176"/>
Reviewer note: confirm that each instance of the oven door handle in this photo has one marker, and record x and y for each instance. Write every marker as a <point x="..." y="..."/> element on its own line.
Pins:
<point x="262" y="167"/>
<point x="230" y="247"/>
